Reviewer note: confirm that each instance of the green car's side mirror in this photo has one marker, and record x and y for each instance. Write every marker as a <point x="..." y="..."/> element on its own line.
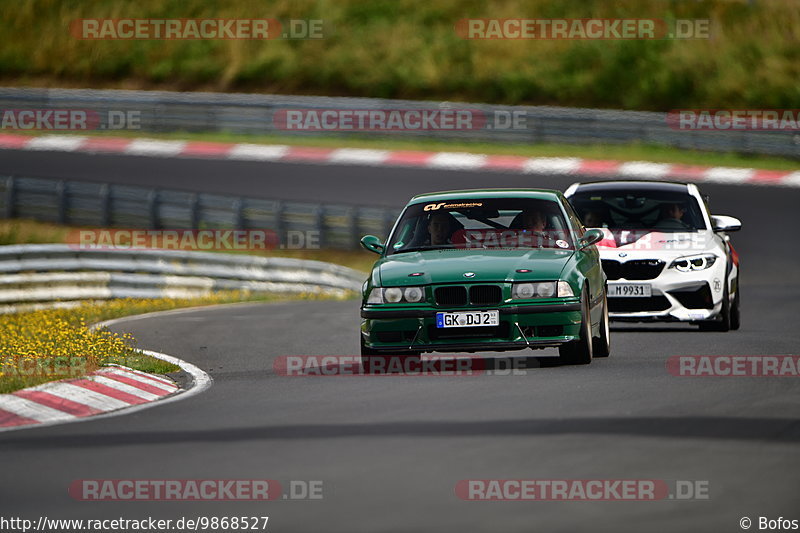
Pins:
<point x="590" y="237"/>
<point x="373" y="244"/>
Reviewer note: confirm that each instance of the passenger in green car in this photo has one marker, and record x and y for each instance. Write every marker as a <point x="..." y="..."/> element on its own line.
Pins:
<point x="534" y="222"/>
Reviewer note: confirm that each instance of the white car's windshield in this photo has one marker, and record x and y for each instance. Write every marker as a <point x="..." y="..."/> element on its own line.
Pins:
<point x="639" y="210"/>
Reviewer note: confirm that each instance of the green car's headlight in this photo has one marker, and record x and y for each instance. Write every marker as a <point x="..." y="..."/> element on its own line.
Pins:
<point x="375" y="296"/>
<point x="393" y="295"/>
<point x="413" y="294"/>
<point x="539" y="289"/>
<point x="693" y="262"/>
<point x="565" y="290"/>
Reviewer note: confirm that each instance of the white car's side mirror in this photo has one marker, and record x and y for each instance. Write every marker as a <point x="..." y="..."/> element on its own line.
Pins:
<point x="725" y="223"/>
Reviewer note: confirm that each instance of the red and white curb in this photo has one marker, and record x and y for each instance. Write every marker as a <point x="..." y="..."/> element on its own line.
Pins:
<point x="109" y="391"/>
<point x="573" y="166"/>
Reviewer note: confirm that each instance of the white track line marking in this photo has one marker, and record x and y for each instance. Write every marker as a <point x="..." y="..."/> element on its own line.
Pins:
<point x="645" y="169"/>
<point x="30" y="409"/>
<point x="61" y="143"/>
<point x="77" y="394"/>
<point x="792" y="180"/>
<point x="154" y="148"/>
<point x="124" y="387"/>
<point x="456" y="160"/>
<point x="358" y="156"/>
<point x="257" y="152"/>
<point x="556" y="165"/>
<point x="159" y="384"/>
<point x="728" y="175"/>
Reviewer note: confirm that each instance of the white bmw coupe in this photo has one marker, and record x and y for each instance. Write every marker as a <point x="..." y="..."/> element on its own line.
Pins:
<point x="665" y="256"/>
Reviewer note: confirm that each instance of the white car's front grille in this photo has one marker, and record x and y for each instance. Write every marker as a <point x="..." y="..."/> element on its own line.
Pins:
<point x="636" y="269"/>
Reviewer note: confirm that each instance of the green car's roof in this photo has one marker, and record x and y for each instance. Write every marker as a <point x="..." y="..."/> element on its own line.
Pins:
<point x="539" y="194"/>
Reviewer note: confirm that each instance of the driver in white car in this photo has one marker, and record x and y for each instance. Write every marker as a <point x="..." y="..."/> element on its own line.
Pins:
<point x="672" y="217"/>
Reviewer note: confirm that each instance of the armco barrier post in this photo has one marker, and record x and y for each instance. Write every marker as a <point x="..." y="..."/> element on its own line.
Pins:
<point x="10" y="197"/>
<point x="319" y="224"/>
<point x="280" y="222"/>
<point x="238" y="217"/>
<point x="105" y="204"/>
<point x="152" y="208"/>
<point x="61" y="201"/>
<point x="194" y="211"/>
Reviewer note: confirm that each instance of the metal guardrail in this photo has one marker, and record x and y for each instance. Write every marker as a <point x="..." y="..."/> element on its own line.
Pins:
<point x="39" y="273"/>
<point x="81" y="203"/>
<point x="161" y="111"/>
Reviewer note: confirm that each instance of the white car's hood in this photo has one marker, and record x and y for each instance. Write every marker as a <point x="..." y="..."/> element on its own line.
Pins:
<point x="625" y="245"/>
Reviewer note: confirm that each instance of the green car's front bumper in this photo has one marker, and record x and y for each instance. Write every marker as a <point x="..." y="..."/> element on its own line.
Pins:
<point x="522" y="325"/>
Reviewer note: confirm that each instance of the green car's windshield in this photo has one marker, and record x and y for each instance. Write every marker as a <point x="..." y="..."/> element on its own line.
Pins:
<point x="482" y="224"/>
<point x="639" y="210"/>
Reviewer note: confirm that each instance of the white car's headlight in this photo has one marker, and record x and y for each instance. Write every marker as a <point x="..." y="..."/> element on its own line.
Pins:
<point x="393" y="295"/>
<point x="536" y="289"/>
<point x="691" y="263"/>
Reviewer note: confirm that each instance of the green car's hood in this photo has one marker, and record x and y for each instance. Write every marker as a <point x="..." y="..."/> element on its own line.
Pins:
<point x="449" y="266"/>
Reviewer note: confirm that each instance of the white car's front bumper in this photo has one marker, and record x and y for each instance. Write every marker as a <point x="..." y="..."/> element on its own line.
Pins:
<point x="681" y="296"/>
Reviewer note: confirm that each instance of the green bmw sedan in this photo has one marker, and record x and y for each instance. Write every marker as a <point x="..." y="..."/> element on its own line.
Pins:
<point x="486" y="270"/>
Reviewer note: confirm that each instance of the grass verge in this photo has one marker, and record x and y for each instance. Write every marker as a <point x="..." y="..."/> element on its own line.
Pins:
<point x="47" y="345"/>
<point x="411" y="49"/>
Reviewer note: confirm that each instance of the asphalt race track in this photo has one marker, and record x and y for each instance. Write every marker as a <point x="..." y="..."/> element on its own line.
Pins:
<point x="390" y="449"/>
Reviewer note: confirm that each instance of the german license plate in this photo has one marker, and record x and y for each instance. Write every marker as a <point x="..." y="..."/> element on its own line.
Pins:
<point x="465" y="319"/>
<point x="629" y="290"/>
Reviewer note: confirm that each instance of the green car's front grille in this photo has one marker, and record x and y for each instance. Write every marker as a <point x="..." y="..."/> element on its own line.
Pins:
<point x="459" y="295"/>
<point x="451" y="296"/>
<point x="485" y="294"/>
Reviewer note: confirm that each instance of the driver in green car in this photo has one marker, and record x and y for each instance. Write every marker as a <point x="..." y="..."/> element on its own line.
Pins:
<point x="440" y="228"/>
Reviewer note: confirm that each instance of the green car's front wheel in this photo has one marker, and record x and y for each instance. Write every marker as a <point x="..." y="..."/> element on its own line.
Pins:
<point x="602" y="343"/>
<point x="579" y="352"/>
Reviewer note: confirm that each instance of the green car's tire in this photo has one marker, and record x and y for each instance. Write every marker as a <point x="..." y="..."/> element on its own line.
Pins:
<point x="602" y="343"/>
<point x="367" y="351"/>
<point x="579" y="352"/>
